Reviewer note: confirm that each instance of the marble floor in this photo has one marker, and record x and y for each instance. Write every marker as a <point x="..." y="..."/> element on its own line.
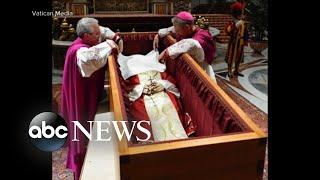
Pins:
<point x="253" y="86"/>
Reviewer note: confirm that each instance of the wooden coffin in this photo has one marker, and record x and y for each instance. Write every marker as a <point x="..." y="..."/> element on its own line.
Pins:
<point x="222" y="156"/>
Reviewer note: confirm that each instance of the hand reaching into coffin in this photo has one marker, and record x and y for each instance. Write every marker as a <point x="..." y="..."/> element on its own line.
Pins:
<point x="162" y="57"/>
<point x="120" y="44"/>
<point x="156" y="42"/>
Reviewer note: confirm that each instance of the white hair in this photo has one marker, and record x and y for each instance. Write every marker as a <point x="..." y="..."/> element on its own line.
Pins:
<point x="85" y="26"/>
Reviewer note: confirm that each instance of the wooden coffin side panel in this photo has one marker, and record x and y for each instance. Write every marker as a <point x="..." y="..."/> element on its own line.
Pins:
<point x="116" y="102"/>
<point x="241" y="160"/>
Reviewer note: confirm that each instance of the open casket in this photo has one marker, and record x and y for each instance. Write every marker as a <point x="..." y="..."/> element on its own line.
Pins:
<point x="228" y="145"/>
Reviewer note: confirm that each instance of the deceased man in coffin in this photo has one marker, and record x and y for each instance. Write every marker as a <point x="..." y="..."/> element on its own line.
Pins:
<point x="189" y="115"/>
<point x="154" y="97"/>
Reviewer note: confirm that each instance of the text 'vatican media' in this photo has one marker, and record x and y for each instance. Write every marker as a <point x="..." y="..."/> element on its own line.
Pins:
<point x="52" y="13"/>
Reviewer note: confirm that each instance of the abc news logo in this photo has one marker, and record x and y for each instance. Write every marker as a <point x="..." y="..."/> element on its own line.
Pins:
<point x="48" y="131"/>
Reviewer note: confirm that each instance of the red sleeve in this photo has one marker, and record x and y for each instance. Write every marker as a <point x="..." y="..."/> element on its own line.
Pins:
<point x="131" y="82"/>
<point x="166" y="76"/>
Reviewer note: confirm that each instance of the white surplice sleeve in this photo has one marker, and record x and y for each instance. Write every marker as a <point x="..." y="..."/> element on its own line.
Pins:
<point x="190" y="46"/>
<point x="107" y="33"/>
<point x="91" y="59"/>
<point x="165" y="31"/>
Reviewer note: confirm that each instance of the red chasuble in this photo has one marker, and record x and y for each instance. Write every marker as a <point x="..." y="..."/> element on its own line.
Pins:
<point x="140" y="110"/>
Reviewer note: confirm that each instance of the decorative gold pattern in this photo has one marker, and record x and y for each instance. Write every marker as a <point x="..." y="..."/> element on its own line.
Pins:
<point x="165" y="121"/>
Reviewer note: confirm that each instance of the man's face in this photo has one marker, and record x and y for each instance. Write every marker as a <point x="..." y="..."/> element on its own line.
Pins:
<point x="93" y="38"/>
<point x="184" y="31"/>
